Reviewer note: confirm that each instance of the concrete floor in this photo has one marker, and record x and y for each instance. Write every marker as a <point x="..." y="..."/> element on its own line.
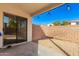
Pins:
<point x="47" y="48"/>
<point x="36" y="48"/>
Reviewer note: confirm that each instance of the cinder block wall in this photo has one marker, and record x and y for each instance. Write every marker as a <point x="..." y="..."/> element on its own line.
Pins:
<point x="37" y="32"/>
<point x="67" y="33"/>
<point x="67" y="37"/>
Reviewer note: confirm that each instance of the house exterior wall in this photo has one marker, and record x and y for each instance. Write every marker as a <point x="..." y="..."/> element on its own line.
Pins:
<point x="15" y="11"/>
<point x="1" y="29"/>
<point x="73" y="23"/>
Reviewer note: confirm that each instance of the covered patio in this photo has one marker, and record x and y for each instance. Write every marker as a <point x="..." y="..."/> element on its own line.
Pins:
<point x="20" y="11"/>
<point x="38" y="40"/>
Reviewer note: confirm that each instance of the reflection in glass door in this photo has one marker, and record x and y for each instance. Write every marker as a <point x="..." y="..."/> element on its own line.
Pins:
<point x="9" y="29"/>
<point x="21" y="28"/>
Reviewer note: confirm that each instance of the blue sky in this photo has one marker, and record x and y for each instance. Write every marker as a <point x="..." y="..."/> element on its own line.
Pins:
<point x="6" y="19"/>
<point x="60" y="13"/>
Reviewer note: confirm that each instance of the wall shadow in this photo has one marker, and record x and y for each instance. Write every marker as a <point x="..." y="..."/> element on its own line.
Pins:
<point x="37" y="33"/>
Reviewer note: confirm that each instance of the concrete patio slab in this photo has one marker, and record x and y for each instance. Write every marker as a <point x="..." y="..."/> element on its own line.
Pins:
<point x="37" y="48"/>
<point x="47" y="48"/>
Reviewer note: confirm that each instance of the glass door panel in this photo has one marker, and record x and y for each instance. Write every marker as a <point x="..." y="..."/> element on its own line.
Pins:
<point x="21" y="29"/>
<point x="9" y="29"/>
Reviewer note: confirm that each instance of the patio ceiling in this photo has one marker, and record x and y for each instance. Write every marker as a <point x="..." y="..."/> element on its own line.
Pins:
<point x="31" y="8"/>
<point x="37" y="8"/>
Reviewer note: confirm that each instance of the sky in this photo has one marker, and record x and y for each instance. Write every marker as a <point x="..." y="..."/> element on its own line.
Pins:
<point x="6" y="19"/>
<point x="61" y="13"/>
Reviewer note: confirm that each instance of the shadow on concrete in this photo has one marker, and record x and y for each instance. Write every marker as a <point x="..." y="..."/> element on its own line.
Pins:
<point x="59" y="47"/>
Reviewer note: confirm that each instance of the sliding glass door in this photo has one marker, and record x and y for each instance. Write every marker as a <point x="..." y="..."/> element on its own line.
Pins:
<point x="21" y="28"/>
<point x="15" y="29"/>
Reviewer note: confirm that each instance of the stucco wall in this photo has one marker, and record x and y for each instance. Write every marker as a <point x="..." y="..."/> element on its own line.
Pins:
<point x="10" y="8"/>
<point x="1" y="29"/>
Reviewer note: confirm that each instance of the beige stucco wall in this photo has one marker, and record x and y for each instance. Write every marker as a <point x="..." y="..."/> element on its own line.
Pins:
<point x="16" y="11"/>
<point x="1" y="29"/>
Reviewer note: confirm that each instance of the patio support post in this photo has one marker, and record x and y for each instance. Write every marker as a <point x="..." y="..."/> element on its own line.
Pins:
<point x="29" y="29"/>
